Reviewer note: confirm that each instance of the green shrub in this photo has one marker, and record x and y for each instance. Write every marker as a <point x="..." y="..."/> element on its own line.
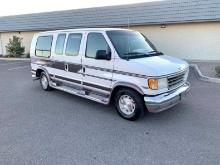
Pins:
<point x="14" y="47"/>
<point x="217" y="69"/>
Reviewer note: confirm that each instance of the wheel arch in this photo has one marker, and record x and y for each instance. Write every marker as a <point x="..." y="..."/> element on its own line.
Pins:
<point x="121" y="85"/>
<point x="40" y="70"/>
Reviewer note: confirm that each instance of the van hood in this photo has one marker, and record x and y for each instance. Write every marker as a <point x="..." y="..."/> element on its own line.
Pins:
<point x="160" y="65"/>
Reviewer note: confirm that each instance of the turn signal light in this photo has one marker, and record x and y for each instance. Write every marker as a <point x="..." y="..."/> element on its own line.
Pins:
<point x="153" y="83"/>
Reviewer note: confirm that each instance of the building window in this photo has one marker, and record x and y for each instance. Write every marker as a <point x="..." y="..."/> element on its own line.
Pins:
<point x="43" y="47"/>
<point x="95" y="42"/>
<point x="73" y="44"/>
<point x="60" y="44"/>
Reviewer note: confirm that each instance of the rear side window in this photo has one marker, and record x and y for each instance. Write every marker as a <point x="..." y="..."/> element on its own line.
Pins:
<point x="95" y="42"/>
<point x="43" y="46"/>
<point x="73" y="44"/>
<point x="60" y="44"/>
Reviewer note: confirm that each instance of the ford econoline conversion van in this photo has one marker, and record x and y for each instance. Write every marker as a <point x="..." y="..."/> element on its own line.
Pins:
<point x="109" y="64"/>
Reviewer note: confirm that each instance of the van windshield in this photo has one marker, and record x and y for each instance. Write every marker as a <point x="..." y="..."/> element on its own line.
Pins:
<point x="131" y="44"/>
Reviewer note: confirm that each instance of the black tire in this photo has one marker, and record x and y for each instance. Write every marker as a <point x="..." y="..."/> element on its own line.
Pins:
<point x="47" y="87"/>
<point x="139" y="108"/>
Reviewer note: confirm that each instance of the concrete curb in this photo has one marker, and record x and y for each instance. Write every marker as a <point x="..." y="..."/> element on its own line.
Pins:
<point x="15" y="59"/>
<point x="202" y="77"/>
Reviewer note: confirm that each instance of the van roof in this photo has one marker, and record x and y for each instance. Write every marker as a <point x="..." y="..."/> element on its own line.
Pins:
<point x="85" y="30"/>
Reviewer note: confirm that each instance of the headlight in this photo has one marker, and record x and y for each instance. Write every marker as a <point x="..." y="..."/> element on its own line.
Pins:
<point x="157" y="83"/>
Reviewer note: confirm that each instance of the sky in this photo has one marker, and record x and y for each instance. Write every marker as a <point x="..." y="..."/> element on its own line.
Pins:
<point x="15" y="7"/>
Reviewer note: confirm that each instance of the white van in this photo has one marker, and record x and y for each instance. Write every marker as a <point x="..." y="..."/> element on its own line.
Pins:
<point x="109" y="64"/>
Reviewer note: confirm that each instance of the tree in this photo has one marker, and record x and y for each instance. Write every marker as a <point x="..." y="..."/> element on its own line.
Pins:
<point x="14" y="47"/>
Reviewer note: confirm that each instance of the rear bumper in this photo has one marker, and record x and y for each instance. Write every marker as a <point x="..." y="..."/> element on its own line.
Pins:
<point x="33" y="75"/>
<point x="167" y="100"/>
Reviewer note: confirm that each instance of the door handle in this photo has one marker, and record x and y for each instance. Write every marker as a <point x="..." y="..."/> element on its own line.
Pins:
<point x="66" y="67"/>
<point x="84" y="71"/>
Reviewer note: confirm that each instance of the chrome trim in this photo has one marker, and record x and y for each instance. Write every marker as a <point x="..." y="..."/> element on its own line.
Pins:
<point x="126" y="105"/>
<point x="168" y="75"/>
<point x="167" y="100"/>
<point x="175" y="81"/>
<point x="33" y="73"/>
<point x="102" y="101"/>
<point x="33" y="76"/>
<point x="44" y="81"/>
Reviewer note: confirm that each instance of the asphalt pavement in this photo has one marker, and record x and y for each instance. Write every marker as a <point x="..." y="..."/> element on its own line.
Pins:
<point x="56" y="128"/>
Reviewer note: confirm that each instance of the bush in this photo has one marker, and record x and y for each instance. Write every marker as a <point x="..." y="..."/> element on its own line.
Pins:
<point x="217" y="69"/>
<point x="14" y="47"/>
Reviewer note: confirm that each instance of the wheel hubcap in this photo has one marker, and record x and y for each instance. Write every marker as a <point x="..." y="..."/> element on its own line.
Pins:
<point x="44" y="82"/>
<point x="127" y="104"/>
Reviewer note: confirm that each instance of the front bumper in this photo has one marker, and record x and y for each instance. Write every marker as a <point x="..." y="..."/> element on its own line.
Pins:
<point x="167" y="100"/>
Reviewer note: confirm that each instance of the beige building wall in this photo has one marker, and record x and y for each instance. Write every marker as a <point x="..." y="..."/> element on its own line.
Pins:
<point x="193" y="41"/>
<point x="1" y="50"/>
<point x="27" y="37"/>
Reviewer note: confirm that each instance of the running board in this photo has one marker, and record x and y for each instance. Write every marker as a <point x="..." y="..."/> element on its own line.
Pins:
<point x="82" y="93"/>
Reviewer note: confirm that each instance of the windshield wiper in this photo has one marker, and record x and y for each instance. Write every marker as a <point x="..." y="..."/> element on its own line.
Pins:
<point x="135" y="55"/>
<point x="141" y="55"/>
<point x="154" y="52"/>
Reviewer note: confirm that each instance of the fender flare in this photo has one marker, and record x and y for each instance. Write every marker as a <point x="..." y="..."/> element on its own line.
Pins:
<point x="129" y="85"/>
<point x="45" y="71"/>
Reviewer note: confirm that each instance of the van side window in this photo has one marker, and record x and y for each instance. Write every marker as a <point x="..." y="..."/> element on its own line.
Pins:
<point x="73" y="44"/>
<point x="95" y="42"/>
<point x="60" y="44"/>
<point x="43" y="46"/>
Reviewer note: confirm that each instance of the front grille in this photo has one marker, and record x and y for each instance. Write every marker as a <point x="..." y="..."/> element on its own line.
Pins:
<point x="175" y="81"/>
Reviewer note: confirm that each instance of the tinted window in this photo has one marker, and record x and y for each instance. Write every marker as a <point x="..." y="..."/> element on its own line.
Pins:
<point x="60" y="43"/>
<point x="95" y="42"/>
<point x="130" y="44"/>
<point x="73" y="44"/>
<point x="43" y="47"/>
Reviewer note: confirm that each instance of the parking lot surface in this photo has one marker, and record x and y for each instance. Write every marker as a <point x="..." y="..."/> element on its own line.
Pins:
<point x="38" y="127"/>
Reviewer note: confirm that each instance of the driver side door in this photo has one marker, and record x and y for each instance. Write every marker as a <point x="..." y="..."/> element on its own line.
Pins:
<point x="97" y="73"/>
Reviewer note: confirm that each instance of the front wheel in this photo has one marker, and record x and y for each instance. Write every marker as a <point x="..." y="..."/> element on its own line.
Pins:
<point x="129" y="104"/>
<point x="44" y="82"/>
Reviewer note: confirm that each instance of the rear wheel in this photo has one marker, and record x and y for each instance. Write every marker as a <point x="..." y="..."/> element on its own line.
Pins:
<point x="129" y="104"/>
<point x="44" y="82"/>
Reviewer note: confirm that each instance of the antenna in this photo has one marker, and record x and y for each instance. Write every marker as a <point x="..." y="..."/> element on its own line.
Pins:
<point x="128" y="22"/>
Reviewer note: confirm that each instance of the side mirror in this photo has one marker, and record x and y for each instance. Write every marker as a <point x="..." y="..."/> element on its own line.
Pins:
<point x="103" y="55"/>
